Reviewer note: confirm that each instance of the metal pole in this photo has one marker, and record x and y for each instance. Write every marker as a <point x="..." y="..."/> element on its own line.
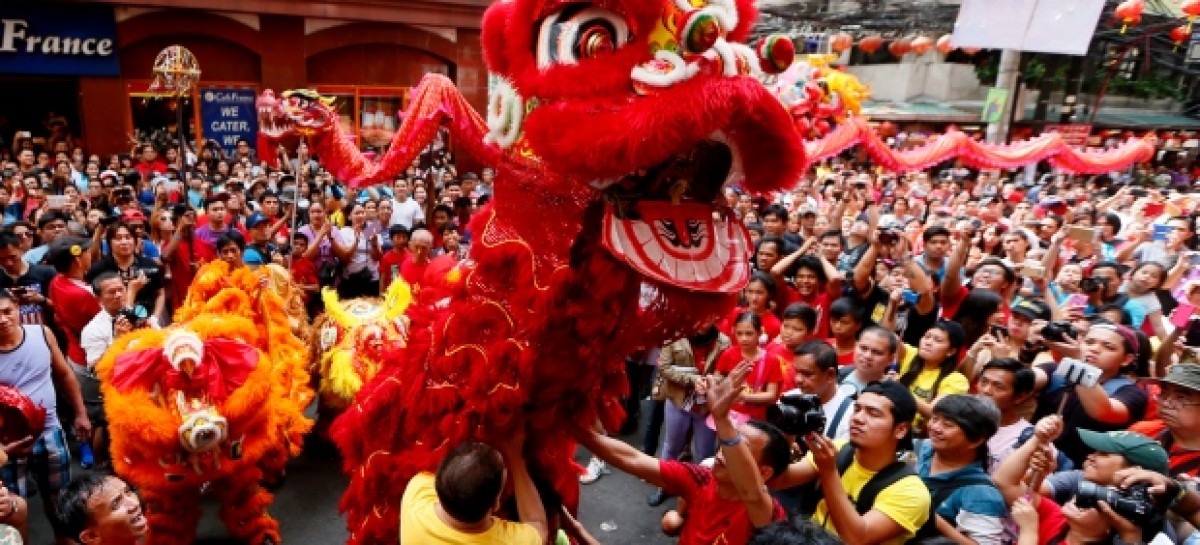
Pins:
<point x="1010" y="62"/>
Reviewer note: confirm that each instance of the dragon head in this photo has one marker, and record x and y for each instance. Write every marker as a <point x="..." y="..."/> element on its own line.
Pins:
<point x="655" y="106"/>
<point x="301" y="111"/>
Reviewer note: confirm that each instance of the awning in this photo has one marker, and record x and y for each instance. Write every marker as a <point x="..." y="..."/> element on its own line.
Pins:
<point x="917" y="111"/>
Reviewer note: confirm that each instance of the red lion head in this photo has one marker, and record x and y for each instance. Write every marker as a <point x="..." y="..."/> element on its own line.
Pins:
<point x="654" y="104"/>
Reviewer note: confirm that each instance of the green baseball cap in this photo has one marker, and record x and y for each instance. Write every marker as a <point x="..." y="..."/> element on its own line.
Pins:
<point x="1185" y="375"/>
<point x="1138" y="449"/>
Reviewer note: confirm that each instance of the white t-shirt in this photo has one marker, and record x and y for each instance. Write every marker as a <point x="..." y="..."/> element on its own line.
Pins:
<point x="362" y="253"/>
<point x="842" y="431"/>
<point x="406" y="213"/>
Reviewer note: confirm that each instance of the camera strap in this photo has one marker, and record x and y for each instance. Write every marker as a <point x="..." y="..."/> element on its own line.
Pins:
<point x="831" y="428"/>
<point x="878" y="483"/>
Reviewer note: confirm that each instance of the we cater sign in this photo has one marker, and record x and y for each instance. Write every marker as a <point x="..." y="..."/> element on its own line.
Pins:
<point x="65" y="39"/>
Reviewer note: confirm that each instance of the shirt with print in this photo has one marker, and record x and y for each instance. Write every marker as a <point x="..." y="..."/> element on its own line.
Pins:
<point x="711" y="518"/>
<point x="977" y="510"/>
<point x="767" y="370"/>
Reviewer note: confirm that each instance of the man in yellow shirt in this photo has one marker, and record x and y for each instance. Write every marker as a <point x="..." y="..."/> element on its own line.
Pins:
<point x="455" y="506"/>
<point x="883" y="415"/>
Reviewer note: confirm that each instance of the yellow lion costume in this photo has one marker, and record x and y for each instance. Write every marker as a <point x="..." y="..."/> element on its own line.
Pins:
<point x="350" y="340"/>
<point x="209" y="405"/>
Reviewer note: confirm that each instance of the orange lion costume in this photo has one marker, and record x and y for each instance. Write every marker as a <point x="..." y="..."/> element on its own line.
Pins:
<point x="209" y="406"/>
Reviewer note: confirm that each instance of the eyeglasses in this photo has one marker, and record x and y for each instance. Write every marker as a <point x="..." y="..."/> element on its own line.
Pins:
<point x="23" y="234"/>
<point x="1178" y="399"/>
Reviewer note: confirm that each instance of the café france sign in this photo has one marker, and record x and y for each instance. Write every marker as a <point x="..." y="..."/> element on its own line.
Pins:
<point x="59" y="39"/>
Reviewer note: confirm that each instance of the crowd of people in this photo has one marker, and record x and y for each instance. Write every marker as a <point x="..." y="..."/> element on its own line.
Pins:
<point x="950" y="354"/>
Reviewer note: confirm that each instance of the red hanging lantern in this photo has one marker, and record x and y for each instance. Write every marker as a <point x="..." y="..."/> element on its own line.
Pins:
<point x="922" y="45"/>
<point x="900" y="47"/>
<point x="1191" y="8"/>
<point x="1180" y="34"/>
<point x="870" y="44"/>
<point x="945" y="44"/>
<point x="1130" y="13"/>
<point x="840" y="42"/>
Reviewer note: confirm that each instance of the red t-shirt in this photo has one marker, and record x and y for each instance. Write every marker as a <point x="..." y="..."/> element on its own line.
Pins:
<point x="304" y="272"/>
<point x="183" y="263"/>
<point x="412" y="273"/>
<point x="711" y="518"/>
<point x="74" y="306"/>
<point x="819" y="301"/>
<point x="1182" y="460"/>
<point x="770" y="323"/>
<point x="767" y="370"/>
<point x="781" y="352"/>
<point x="950" y="307"/>
<point x="843" y="359"/>
<point x="389" y="261"/>
<point x="1051" y="523"/>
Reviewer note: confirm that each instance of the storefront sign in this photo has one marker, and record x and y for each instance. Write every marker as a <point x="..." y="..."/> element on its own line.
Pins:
<point x="73" y="40"/>
<point x="228" y="115"/>
<point x="1073" y="135"/>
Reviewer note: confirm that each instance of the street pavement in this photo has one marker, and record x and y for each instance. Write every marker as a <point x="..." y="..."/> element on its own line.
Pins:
<point x="613" y="509"/>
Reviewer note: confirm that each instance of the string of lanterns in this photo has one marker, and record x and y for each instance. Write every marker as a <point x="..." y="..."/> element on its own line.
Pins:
<point x="1127" y="14"/>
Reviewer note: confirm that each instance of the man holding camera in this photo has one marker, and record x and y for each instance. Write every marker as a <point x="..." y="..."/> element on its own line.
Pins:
<point x="1103" y="289"/>
<point x="1090" y="504"/>
<point x="868" y="496"/>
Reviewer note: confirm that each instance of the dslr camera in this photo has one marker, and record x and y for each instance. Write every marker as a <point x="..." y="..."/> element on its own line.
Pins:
<point x="1059" y="331"/>
<point x="1135" y="504"/>
<point x="1093" y="285"/>
<point x="797" y="414"/>
<point x="888" y="236"/>
<point x="135" y="316"/>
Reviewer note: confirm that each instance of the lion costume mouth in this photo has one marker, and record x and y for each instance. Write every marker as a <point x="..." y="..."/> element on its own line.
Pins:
<point x="670" y="224"/>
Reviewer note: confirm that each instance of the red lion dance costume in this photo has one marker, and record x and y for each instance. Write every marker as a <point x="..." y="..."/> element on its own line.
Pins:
<point x="613" y="126"/>
<point x="210" y="405"/>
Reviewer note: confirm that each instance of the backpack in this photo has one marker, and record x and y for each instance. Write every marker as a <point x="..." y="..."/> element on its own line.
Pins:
<point x="940" y="492"/>
<point x="812" y="494"/>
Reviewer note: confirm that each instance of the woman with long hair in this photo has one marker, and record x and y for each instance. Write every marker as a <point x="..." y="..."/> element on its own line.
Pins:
<point x="933" y="372"/>
<point x="991" y="242"/>
<point x="975" y="313"/>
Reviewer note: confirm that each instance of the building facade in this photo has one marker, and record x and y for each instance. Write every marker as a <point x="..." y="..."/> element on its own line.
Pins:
<point x="91" y="62"/>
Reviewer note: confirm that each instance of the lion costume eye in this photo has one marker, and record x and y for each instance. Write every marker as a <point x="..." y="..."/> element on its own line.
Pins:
<point x="579" y="32"/>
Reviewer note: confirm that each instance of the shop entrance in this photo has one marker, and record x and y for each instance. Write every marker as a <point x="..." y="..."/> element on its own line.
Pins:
<point x="45" y="108"/>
